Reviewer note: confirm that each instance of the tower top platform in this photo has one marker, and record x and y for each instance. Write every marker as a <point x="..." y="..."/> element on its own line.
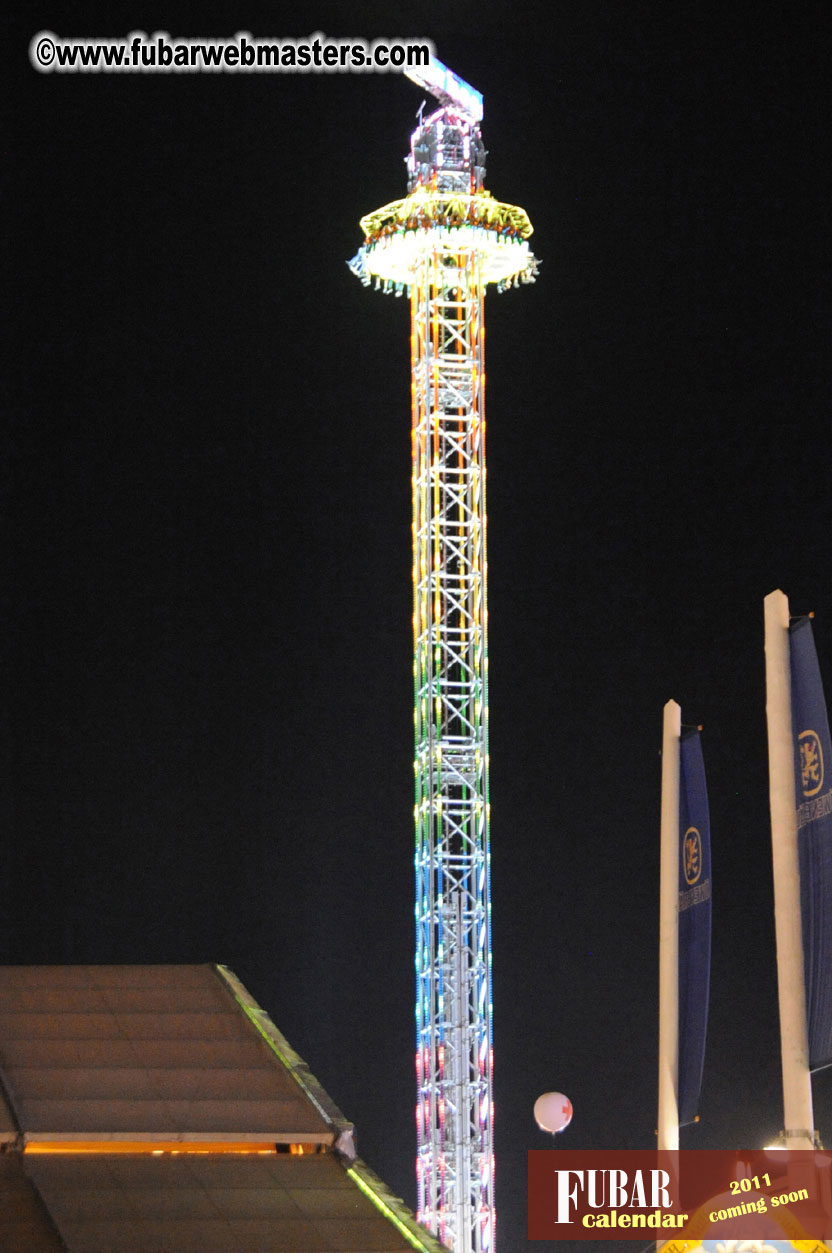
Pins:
<point x="447" y="213"/>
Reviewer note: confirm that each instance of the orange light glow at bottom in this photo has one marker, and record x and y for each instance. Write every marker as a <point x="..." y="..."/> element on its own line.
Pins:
<point x="159" y="1148"/>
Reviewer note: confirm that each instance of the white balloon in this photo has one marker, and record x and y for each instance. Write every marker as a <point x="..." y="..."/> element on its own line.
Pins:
<point x="553" y="1112"/>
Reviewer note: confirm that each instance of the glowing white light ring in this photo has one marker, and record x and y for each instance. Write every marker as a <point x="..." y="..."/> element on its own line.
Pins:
<point x="395" y="257"/>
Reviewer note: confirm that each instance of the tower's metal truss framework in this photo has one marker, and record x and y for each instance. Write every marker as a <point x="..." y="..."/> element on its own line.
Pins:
<point x="453" y="908"/>
<point x="444" y="243"/>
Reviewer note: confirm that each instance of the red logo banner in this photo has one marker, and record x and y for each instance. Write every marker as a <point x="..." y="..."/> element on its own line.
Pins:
<point x="682" y="1197"/>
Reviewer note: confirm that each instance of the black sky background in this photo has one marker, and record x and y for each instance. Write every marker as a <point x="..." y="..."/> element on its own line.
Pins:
<point x="206" y="725"/>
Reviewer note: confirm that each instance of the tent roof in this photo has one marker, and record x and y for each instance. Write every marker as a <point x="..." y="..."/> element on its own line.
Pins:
<point x="151" y="1051"/>
<point x="159" y="1107"/>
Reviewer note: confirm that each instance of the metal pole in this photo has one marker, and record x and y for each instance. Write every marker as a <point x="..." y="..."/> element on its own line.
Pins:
<point x="797" y="1082"/>
<point x="669" y="931"/>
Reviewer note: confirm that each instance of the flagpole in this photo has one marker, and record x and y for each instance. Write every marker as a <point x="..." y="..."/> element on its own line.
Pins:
<point x="669" y="932"/>
<point x="797" y="1083"/>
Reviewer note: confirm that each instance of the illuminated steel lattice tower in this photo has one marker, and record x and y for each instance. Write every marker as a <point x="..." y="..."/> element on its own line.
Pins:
<point x="443" y="243"/>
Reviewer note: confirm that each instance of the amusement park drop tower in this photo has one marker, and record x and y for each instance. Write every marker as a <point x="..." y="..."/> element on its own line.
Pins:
<point x="443" y="244"/>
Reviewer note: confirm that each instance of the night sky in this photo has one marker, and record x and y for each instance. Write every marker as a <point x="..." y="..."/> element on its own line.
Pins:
<point x="206" y="722"/>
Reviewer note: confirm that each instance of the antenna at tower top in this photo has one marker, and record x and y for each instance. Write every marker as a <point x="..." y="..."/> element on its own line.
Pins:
<point x="449" y="89"/>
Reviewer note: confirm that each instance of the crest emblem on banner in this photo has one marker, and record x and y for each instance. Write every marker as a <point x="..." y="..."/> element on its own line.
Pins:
<point x="811" y="762"/>
<point x="692" y="855"/>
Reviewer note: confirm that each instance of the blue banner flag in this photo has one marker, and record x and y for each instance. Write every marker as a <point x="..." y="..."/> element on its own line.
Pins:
<point x="694" y="922"/>
<point x="813" y="791"/>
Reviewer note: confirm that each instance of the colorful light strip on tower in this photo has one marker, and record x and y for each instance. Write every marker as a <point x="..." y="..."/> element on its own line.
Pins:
<point x="443" y="244"/>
